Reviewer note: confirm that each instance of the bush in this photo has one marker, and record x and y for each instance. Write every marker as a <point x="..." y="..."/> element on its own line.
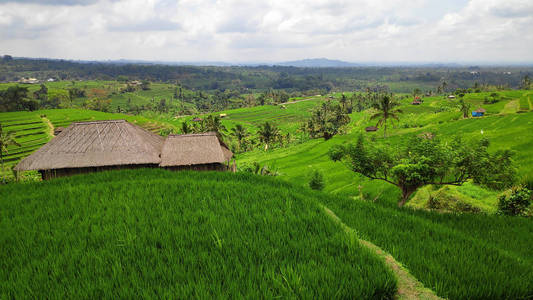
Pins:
<point x="317" y="181"/>
<point x="515" y="203"/>
<point x="444" y="200"/>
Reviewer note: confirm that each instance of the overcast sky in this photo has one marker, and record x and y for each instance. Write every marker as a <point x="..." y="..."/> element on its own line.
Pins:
<point x="270" y="30"/>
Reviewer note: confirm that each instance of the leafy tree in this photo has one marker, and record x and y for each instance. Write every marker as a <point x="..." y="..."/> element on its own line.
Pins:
<point x="422" y="161"/>
<point x="214" y="124"/>
<point x="6" y="139"/>
<point x="98" y="104"/>
<point x="386" y="109"/>
<point x="15" y="98"/>
<point x="317" y="181"/>
<point x="327" y="120"/>
<point x="145" y="85"/>
<point x="240" y="133"/>
<point x="268" y="133"/>
<point x="464" y="108"/>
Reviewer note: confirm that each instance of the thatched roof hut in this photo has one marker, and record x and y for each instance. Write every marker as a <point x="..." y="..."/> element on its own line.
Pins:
<point x="481" y="110"/>
<point x="416" y="102"/>
<point x="203" y="149"/>
<point x="371" y="128"/>
<point x="96" y="144"/>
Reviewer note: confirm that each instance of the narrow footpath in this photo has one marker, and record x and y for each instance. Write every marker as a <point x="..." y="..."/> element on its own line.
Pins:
<point x="408" y="286"/>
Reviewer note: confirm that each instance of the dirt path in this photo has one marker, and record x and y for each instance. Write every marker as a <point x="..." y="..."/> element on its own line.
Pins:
<point x="408" y="286"/>
<point x="50" y="126"/>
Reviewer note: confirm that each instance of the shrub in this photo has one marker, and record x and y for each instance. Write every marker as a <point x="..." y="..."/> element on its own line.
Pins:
<point x="317" y="181"/>
<point x="515" y="203"/>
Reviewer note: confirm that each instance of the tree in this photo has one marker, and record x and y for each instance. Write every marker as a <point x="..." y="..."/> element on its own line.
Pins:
<point x="268" y="133"/>
<point x="526" y="82"/>
<point x="145" y="85"/>
<point x="185" y="128"/>
<point x="240" y="133"/>
<point x="327" y="120"/>
<point x="464" y="108"/>
<point x="386" y="109"/>
<point x="423" y="161"/>
<point x="6" y="139"/>
<point x="15" y="98"/>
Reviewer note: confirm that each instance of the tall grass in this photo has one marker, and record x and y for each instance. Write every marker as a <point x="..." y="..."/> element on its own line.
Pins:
<point x="154" y="233"/>
<point x="458" y="256"/>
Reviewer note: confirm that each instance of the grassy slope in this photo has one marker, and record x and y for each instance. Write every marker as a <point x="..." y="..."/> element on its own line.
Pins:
<point x="151" y="233"/>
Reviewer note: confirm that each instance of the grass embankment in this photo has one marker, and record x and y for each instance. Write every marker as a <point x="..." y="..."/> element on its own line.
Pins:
<point x="155" y="233"/>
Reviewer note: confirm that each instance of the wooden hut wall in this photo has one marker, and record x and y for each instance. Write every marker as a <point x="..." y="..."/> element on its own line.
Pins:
<point x="55" y="173"/>
<point x="201" y="167"/>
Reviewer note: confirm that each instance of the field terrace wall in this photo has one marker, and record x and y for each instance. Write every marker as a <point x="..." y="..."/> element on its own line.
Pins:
<point x="86" y="147"/>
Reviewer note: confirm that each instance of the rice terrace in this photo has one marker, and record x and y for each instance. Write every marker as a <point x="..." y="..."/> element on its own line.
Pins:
<point x="192" y="150"/>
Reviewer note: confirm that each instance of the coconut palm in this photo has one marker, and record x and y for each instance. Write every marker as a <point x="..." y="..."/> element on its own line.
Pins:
<point x="386" y="109"/>
<point x="186" y="128"/>
<point x="6" y="139"/>
<point x="464" y="108"/>
<point x="268" y="133"/>
<point x="240" y="133"/>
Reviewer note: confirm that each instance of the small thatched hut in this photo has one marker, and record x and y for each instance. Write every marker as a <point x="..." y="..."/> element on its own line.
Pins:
<point x="203" y="151"/>
<point x="371" y="129"/>
<point x="92" y="146"/>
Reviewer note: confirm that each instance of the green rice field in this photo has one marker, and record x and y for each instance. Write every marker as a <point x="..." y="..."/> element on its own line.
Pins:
<point x="160" y="234"/>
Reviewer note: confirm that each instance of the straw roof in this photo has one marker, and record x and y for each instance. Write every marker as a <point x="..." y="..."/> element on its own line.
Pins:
<point x="481" y="110"/>
<point x="96" y="144"/>
<point x="194" y="149"/>
<point x="371" y="128"/>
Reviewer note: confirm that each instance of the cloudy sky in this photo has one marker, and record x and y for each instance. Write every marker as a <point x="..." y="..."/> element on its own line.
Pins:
<point x="270" y="30"/>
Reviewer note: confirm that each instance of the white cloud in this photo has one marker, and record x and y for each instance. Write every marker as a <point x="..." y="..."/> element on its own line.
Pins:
<point x="239" y="30"/>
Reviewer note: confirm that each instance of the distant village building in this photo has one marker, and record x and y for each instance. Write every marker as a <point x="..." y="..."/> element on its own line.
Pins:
<point x="371" y="129"/>
<point x="480" y="112"/>
<point x="197" y="119"/>
<point x="223" y="115"/>
<point x="116" y="144"/>
<point x="28" y="80"/>
<point x="51" y="79"/>
<point x="451" y="97"/>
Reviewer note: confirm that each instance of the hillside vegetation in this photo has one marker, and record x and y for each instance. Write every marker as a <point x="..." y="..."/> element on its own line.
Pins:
<point x="505" y="125"/>
<point x="155" y="233"/>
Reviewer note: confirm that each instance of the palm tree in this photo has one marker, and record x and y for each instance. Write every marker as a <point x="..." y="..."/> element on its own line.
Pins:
<point x="185" y="128"/>
<point x="268" y="133"/>
<point x="464" y="108"/>
<point x="6" y="139"/>
<point x="240" y="133"/>
<point x="386" y="107"/>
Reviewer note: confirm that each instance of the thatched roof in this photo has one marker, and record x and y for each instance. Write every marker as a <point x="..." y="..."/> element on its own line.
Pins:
<point x="96" y="144"/>
<point x="480" y="110"/>
<point x="194" y="149"/>
<point x="371" y="128"/>
<point x="58" y="130"/>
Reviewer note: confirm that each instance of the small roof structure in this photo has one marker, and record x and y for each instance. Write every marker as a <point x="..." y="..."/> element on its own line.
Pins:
<point x="371" y="128"/>
<point x="480" y="110"/>
<point x="416" y="102"/>
<point x="197" y="119"/>
<point x="96" y="144"/>
<point x="223" y="115"/>
<point x="451" y="96"/>
<point x="194" y="149"/>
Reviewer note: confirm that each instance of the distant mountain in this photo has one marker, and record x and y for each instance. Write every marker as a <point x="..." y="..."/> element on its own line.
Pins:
<point x="318" y="63"/>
